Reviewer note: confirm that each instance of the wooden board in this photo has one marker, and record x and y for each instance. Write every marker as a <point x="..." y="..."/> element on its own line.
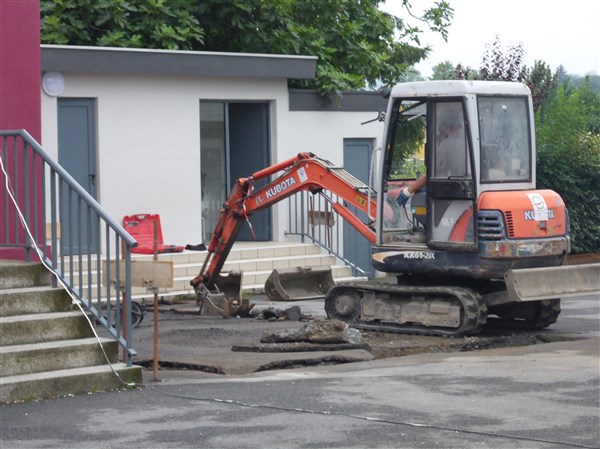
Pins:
<point x="145" y="273"/>
<point x="49" y="231"/>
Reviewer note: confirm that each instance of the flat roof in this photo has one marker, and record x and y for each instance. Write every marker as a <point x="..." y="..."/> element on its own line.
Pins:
<point x="67" y="58"/>
<point x="348" y="101"/>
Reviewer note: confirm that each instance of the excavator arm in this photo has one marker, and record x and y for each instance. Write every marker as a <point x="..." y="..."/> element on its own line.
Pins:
<point x="302" y="172"/>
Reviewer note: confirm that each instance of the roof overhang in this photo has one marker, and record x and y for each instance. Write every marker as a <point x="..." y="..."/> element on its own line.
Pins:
<point x="347" y="101"/>
<point x="168" y="62"/>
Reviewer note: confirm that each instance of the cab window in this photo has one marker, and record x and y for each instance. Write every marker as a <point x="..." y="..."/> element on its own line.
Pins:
<point x="504" y="132"/>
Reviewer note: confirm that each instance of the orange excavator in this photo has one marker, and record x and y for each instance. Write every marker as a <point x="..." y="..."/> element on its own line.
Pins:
<point x="477" y="243"/>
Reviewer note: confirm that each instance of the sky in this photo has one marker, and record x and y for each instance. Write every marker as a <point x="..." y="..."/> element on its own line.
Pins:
<point x="563" y="33"/>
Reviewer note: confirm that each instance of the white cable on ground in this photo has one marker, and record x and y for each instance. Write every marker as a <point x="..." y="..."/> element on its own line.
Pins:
<point x="49" y="268"/>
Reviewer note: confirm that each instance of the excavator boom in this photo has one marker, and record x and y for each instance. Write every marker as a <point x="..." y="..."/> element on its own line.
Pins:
<point x="302" y="172"/>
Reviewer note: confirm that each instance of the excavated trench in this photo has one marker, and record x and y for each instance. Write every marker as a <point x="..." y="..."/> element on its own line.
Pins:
<point x="233" y="346"/>
<point x="188" y="341"/>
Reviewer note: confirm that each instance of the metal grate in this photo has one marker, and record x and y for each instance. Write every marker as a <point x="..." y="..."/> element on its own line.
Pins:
<point x="490" y="225"/>
<point x="509" y="223"/>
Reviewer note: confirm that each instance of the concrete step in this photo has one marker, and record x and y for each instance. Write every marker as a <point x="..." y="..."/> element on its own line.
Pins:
<point x="56" y="355"/>
<point x="47" y="350"/>
<point x="240" y="250"/>
<point x="15" y="274"/>
<point x="42" y="327"/>
<point x="190" y="270"/>
<point x="51" y="384"/>
<point x="29" y="300"/>
<point x="252" y="273"/>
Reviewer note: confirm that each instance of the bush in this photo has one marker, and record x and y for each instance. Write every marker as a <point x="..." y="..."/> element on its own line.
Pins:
<point x="568" y="161"/>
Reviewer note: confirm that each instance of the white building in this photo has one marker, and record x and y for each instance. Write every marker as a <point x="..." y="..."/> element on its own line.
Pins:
<point x="167" y="132"/>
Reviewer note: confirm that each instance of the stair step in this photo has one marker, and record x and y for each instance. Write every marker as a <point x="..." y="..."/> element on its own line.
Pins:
<point x="190" y="270"/>
<point x="252" y="273"/>
<point x="240" y="251"/>
<point x="40" y="327"/>
<point x="56" y="355"/>
<point x="16" y="274"/>
<point x="51" y="384"/>
<point x="29" y="300"/>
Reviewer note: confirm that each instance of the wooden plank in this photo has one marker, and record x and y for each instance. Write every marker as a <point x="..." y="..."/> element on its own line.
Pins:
<point x="49" y="231"/>
<point x="145" y="273"/>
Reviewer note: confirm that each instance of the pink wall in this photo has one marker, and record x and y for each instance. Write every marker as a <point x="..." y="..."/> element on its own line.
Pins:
<point x="20" y="102"/>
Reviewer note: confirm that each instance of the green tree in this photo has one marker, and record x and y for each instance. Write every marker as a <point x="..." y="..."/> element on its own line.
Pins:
<point x="568" y="156"/>
<point x="542" y="82"/>
<point x="443" y="71"/>
<point x="411" y="74"/>
<point x="167" y="24"/>
<point x="356" y="43"/>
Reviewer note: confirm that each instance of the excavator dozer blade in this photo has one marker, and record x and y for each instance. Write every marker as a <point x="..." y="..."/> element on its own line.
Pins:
<point x="226" y="298"/>
<point x="295" y="284"/>
<point x="533" y="284"/>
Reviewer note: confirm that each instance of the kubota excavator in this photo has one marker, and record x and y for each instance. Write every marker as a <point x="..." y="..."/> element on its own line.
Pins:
<point x="478" y="242"/>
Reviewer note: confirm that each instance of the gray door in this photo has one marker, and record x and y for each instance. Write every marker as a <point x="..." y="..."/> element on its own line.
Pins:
<point x="357" y="159"/>
<point x="77" y="155"/>
<point x="248" y="153"/>
<point x="234" y="143"/>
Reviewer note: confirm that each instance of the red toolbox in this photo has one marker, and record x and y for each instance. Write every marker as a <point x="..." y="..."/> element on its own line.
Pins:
<point x="141" y="228"/>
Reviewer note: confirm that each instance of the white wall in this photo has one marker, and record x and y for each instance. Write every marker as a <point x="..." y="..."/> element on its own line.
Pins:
<point x="322" y="133"/>
<point x="148" y="142"/>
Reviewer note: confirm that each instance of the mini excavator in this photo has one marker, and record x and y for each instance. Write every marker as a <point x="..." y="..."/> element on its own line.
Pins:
<point x="479" y="243"/>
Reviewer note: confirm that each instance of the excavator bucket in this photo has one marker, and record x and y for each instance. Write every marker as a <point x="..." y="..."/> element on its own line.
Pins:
<point x="226" y="298"/>
<point x="532" y="284"/>
<point x="294" y="284"/>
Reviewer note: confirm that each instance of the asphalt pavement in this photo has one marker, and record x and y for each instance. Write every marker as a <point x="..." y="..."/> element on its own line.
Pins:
<point x="534" y="396"/>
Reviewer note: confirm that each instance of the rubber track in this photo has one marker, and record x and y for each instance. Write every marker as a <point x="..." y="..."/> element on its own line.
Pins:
<point x="546" y="314"/>
<point x="474" y="308"/>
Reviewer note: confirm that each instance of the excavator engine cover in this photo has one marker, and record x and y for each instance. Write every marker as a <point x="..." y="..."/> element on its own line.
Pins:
<point x="295" y="284"/>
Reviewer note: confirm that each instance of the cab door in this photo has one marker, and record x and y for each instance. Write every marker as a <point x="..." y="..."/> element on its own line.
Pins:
<point x="451" y="194"/>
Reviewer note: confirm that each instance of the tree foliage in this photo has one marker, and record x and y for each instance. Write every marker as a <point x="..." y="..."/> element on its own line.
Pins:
<point x="167" y="24"/>
<point x="443" y="71"/>
<point x="356" y="43"/>
<point x="569" y="162"/>
<point x="541" y="82"/>
<point x="502" y="64"/>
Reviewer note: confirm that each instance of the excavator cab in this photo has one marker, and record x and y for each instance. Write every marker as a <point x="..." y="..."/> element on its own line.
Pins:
<point x="478" y="242"/>
<point x="467" y="138"/>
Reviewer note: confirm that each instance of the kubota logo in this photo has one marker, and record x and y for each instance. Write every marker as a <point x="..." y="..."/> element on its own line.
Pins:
<point x="277" y="189"/>
<point x="531" y="215"/>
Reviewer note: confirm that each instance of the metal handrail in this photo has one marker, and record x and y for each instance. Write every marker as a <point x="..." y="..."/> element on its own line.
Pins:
<point x="78" y="228"/>
<point x="311" y="217"/>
